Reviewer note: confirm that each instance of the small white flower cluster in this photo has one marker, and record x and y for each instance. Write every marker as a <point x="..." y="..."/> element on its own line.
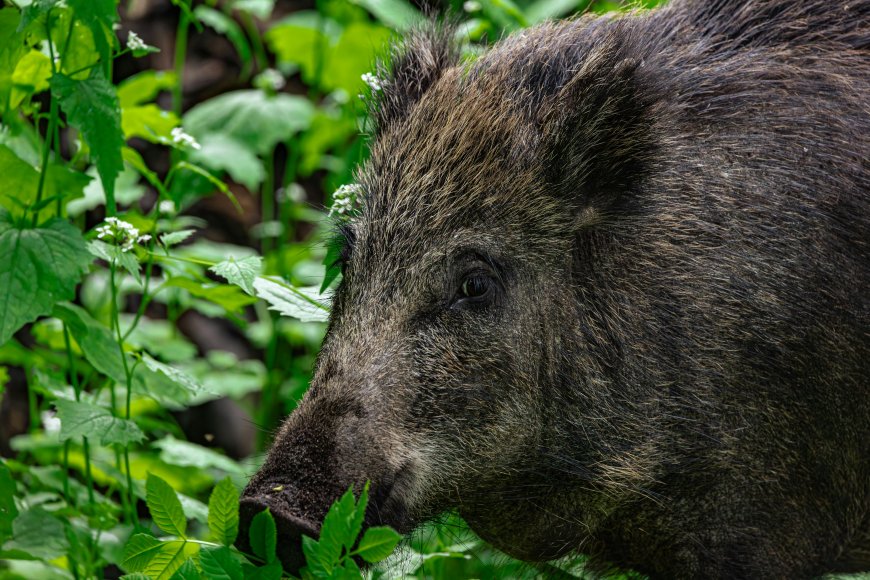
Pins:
<point x="271" y="78"/>
<point x="372" y="81"/>
<point x="134" y="42"/>
<point x="344" y="198"/>
<point x="179" y="137"/>
<point x="471" y="6"/>
<point x="167" y="206"/>
<point x="122" y="234"/>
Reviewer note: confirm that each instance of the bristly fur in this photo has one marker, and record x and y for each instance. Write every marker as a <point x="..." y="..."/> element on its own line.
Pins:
<point x="669" y="370"/>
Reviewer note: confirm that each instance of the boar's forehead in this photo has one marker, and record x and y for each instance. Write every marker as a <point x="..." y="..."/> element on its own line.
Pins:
<point x="462" y="161"/>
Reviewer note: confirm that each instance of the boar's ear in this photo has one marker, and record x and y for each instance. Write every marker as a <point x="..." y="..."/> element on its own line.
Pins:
<point x="412" y="67"/>
<point x="597" y="130"/>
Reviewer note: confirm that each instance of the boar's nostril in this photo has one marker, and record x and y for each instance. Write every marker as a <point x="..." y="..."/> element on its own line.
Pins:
<point x="290" y="531"/>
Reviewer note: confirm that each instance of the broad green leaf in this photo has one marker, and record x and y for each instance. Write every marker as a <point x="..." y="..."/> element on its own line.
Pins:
<point x="220" y="564"/>
<point x="21" y="180"/>
<point x="223" y="512"/>
<point x="304" y="38"/>
<point x="541" y="10"/>
<point x="306" y="304"/>
<point x="174" y="238"/>
<point x="336" y="529"/>
<point x="139" y="551"/>
<point x="354" y="55"/>
<point x="81" y="419"/>
<point x="12" y="49"/>
<point x="251" y="117"/>
<point x="184" y="453"/>
<point x="126" y="260"/>
<point x="92" y="106"/>
<point x="378" y="543"/>
<point x="96" y="341"/>
<point x="149" y="122"/>
<point x="229" y="297"/>
<point x="8" y="511"/>
<point x="136" y="576"/>
<point x="188" y="571"/>
<point x="157" y="559"/>
<point x="316" y="566"/>
<point x="220" y="152"/>
<point x="144" y="87"/>
<point x="263" y="535"/>
<point x="99" y="16"/>
<point x="271" y="571"/>
<point x="31" y="76"/>
<point x="356" y="521"/>
<point x="397" y="14"/>
<point x="34" y="11"/>
<point x="178" y="376"/>
<point x="240" y="272"/>
<point x="38" y="533"/>
<point x="80" y="52"/>
<point x="165" y="508"/>
<point x="38" y="267"/>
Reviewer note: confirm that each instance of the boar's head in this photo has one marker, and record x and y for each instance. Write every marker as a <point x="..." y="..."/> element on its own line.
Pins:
<point x="446" y="377"/>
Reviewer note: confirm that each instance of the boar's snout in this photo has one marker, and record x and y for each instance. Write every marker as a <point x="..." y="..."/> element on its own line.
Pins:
<point x="290" y="531"/>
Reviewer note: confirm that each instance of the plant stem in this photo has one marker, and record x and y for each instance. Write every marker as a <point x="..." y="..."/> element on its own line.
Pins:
<point x="267" y="199"/>
<point x="74" y="379"/>
<point x="180" y="56"/>
<point x="50" y="131"/>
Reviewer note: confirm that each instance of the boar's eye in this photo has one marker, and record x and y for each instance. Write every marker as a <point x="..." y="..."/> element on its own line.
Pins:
<point x="475" y="287"/>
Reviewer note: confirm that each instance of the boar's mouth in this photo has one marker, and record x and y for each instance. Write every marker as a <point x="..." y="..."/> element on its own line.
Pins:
<point x="299" y="512"/>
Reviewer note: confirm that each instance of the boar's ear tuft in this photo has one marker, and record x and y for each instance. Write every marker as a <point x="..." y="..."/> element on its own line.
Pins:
<point x="412" y="67"/>
<point x="597" y="130"/>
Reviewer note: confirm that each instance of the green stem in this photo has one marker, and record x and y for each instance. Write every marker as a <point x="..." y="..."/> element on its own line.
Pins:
<point x="267" y="199"/>
<point x="260" y="57"/>
<point x="180" y="56"/>
<point x="128" y="375"/>
<point x="52" y="128"/>
<point x="74" y="379"/>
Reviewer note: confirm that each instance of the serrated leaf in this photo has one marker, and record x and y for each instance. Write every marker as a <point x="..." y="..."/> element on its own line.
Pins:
<point x="220" y="564"/>
<point x="271" y="571"/>
<point x="356" y="521"/>
<point x="144" y="87"/>
<point x="174" y="238"/>
<point x="8" y="511"/>
<point x="81" y="419"/>
<point x="251" y="117"/>
<point x="38" y="268"/>
<point x="92" y="106"/>
<point x="165" y="508"/>
<point x="223" y="512"/>
<point x="148" y="122"/>
<point x="139" y="551"/>
<point x="221" y="152"/>
<point x="240" y="272"/>
<point x="20" y="184"/>
<point x="378" y="543"/>
<point x="177" y="375"/>
<point x="314" y="563"/>
<point x="231" y="298"/>
<point x="169" y="558"/>
<point x="306" y="304"/>
<point x="38" y="533"/>
<point x="96" y="341"/>
<point x="263" y="535"/>
<point x="126" y="260"/>
<point x="187" y="571"/>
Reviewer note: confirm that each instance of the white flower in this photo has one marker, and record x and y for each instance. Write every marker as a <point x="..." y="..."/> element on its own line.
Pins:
<point x="271" y="78"/>
<point x="166" y="206"/>
<point x="134" y="42"/>
<point x="120" y="233"/>
<point x="182" y="139"/>
<point x="344" y="198"/>
<point x="471" y="6"/>
<point x="50" y="422"/>
<point x="372" y="81"/>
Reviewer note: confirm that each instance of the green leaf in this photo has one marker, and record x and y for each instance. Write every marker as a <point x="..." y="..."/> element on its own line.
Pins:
<point x="227" y="27"/>
<point x="315" y="565"/>
<point x="221" y="152"/>
<point x="126" y="260"/>
<point x="149" y="122"/>
<point x="92" y="106"/>
<point x="165" y="508"/>
<point x="230" y="298"/>
<point x="155" y="558"/>
<point x="96" y="341"/>
<point x="240" y="272"/>
<point x="187" y="571"/>
<point x="263" y="535"/>
<point x="335" y="533"/>
<point x="354" y="55"/>
<point x="251" y="117"/>
<point x="548" y="9"/>
<point x="144" y="87"/>
<point x="99" y="16"/>
<point x="223" y="512"/>
<point x="21" y="181"/>
<point x="139" y="551"/>
<point x="177" y="376"/>
<point x="259" y="8"/>
<point x="31" y="76"/>
<point x="186" y="454"/>
<point x="220" y="564"/>
<point x="39" y="534"/>
<point x="8" y="511"/>
<point x="356" y="521"/>
<point x="306" y="304"/>
<point x="378" y="543"/>
<point x="397" y="14"/>
<point x="12" y="49"/>
<point x="81" y="419"/>
<point x="38" y="268"/>
<point x="174" y="238"/>
<point x="271" y="571"/>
